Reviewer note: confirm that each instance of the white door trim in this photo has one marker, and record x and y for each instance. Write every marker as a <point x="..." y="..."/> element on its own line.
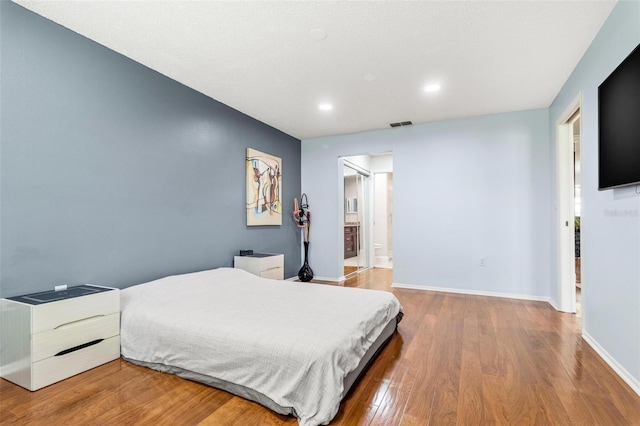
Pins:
<point x="565" y="205"/>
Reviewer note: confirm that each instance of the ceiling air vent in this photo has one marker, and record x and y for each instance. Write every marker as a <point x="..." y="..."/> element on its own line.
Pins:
<point x="401" y="123"/>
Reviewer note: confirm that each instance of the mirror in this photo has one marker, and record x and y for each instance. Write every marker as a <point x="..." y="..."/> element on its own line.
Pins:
<point x="355" y="193"/>
<point x="352" y="205"/>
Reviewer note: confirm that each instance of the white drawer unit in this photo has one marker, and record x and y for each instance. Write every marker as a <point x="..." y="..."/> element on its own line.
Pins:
<point x="49" y="336"/>
<point x="265" y="265"/>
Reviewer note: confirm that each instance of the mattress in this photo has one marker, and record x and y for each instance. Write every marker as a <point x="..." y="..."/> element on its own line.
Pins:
<point x="293" y="347"/>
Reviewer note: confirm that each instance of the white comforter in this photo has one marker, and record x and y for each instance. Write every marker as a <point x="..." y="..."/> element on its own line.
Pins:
<point x="292" y="342"/>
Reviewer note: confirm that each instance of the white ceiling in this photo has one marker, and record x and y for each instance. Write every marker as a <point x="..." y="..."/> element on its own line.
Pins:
<point x="264" y="59"/>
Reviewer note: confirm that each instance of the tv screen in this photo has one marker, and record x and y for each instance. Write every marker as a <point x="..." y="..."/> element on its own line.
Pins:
<point x="619" y="125"/>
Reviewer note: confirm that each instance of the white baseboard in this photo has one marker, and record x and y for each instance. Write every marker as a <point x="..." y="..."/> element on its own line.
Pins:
<point x="333" y="280"/>
<point x="611" y="361"/>
<point x="330" y="279"/>
<point x="472" y="292"/>
<point x="555" y="306"/>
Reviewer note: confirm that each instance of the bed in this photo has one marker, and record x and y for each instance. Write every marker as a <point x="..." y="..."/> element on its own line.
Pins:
<point x="295" y="348"/>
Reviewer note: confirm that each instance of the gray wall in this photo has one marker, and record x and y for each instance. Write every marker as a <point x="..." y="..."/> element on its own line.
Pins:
<point x="610" y="242"/>
<point x="113" y="174"/>
<point x="462" y="190"/>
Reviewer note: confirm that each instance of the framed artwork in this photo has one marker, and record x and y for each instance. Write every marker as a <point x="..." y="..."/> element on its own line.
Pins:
<point x="264" y="188"/>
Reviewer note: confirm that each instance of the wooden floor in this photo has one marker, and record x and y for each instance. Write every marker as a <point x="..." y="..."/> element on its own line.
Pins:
<point x="456" y="359"/>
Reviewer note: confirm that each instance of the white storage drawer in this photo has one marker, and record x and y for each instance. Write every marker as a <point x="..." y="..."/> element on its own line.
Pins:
<point x="56" y="368"/>
<point x="49" y="343"/>
<point x="274" y="274"/>
<point x="266" y="265"/>
<point x="50" y="336"/>
<point x="50" y="316"/>
<point x="271" y="262"/>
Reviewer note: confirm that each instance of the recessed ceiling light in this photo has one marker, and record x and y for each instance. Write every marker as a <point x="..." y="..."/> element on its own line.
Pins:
<point x="430" y="88"/>
<point x="325" y="107"/>
<point x="370" y="77"/>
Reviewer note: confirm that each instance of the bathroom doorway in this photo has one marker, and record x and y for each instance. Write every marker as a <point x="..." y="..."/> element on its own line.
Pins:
<point x="383" y="219"/>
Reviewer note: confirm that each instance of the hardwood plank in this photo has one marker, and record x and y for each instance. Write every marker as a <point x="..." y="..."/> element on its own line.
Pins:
<point x="435" y="395"/>
<point x="470" y="410"/>
<point x="391" y="407"/>
<point x="607" y="388"/>
<point x="240" y="412"/>
<point x="444" y="406"/>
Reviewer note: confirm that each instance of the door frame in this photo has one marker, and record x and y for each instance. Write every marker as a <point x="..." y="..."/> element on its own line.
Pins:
<point x="565" y="207"/>
<point x="373" y="213"/>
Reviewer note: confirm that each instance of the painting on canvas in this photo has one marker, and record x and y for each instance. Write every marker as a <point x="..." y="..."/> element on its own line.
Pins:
<point x="264" y="188"/>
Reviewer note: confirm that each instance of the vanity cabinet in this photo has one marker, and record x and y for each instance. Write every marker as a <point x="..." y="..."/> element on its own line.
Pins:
<point x="350" y="241"/>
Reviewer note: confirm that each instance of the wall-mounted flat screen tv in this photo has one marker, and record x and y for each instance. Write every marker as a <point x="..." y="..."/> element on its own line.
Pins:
<point x="619" y="125"/>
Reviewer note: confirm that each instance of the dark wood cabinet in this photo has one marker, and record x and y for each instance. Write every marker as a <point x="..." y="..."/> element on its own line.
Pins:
<point x="350" y="241"/>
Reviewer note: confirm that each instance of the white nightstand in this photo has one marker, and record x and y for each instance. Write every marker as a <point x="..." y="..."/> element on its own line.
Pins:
<point x="265" y="265"/>
<point x="49" y="336"/>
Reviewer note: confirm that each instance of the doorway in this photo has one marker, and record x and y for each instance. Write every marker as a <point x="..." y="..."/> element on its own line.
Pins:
<point x="383" y="219"/>
<point x="568" y="207"/>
